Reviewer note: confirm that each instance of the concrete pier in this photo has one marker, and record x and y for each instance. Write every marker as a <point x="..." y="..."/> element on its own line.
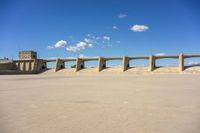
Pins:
<point x="101" y="64"/>
<point x="39" y="65"/>
<point x="181" y="62"/>
<point x="23" y="66"/>
<point x="60" y="64"/>
<point x="79" y="64"/>
<point x="151" y="63"/>
<point x="125" y="63"/>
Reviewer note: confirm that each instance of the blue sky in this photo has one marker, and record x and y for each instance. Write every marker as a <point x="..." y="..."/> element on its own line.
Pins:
<point x="68" y="28"/>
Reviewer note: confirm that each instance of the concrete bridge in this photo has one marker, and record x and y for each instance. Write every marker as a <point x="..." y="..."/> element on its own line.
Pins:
<point x="39" y="65"/>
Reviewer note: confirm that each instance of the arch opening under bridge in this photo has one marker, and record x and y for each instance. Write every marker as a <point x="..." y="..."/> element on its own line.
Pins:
<point x="110" y="62"/>
<point x="191" y="61"/>
<point x="49" y="65"/>
<point x="70" y="64"/>
<point x="166" y="62"/>
<point x="115" y="63"/>
<point x="134" y="63"/>
<point x="90" y="64"/>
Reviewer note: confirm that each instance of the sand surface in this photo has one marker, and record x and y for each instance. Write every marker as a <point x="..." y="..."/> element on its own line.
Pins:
<point x="100" y="103"/>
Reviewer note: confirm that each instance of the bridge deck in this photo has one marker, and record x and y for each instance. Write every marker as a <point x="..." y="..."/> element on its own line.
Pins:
<point x="166" y="56"/>
<point x="112" y="58"/>
<point x="138" y="57"/>
<point x="191" y="56"/>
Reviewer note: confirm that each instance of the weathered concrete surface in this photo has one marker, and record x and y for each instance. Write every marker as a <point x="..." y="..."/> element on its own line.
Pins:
<point x="39" y="65"/>
<point x="152" y="63"/>
<point x="181" y="62"/>
<point x="79" y="64"/>
<point x="100" y="103"/>
<point x="60" y="64"/>
<point x="31" y="66"/>
<point x="101" y="64"/>
<point x="8" y="65"/>
<point x="125" y="63"/>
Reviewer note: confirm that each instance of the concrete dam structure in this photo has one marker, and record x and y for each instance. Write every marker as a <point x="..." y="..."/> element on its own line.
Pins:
<point x="31" y="66"/>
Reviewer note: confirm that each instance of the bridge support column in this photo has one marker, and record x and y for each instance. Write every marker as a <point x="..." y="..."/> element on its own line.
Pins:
<point x="181" y="62"/>
<point x="18" y="65"/>
<point x="59" y="64"/>
<point x="39" y="65"/>
<point x="44" y="65"/>
<point x="79" y="64"/>
<point x="152" y="63"/>
<point x="101" y="64"/>
<point x="29" y="66"/>
<point x="32" y="65"/>
<point x="125" y="63"/>
<point x="23" y="66"/>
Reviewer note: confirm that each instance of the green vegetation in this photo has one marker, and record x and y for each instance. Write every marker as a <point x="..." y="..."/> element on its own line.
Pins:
<point x="73" y="66"/>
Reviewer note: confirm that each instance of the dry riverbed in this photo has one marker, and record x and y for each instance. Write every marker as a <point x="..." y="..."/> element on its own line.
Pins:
<point x="100" y="103"/>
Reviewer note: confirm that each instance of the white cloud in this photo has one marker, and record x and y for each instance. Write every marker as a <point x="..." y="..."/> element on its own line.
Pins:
<point x="193" y="63"/>
<point x="79" y="46"/>
<point x="106" y="38"/>
<point x="87" y="40"/>
<point x="139" y="28"/>
<point x="97" y="39"/>
<point x="84" y="56"/>
<point x="91" y="36"/>
<point x="160" y="54"/>
<point x="115" y="27"/>
<point x="50" y="47"/>
<point x="121" y="16"/>
<point x="72" y="49"/>
<point x="81" y="55"/>
<point x="60" y="44"/>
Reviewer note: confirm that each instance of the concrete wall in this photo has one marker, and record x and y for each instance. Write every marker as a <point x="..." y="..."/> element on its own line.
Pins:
<point x="23" y="67"/>
<point x="8" y="66"/>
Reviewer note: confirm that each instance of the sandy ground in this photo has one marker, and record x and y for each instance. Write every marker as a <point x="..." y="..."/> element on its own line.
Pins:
<point x="100" y="103"/>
